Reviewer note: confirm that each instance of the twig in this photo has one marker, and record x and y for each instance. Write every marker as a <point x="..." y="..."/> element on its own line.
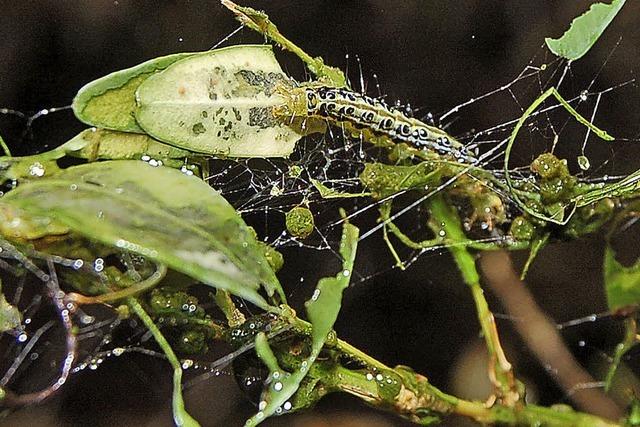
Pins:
<point x="541" y="335"/>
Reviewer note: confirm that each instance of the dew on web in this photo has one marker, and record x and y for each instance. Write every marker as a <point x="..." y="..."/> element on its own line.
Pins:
<point x="265" y="190"/>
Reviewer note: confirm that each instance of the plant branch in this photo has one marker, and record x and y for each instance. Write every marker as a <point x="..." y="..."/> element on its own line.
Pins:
<point x="444" y="221"/>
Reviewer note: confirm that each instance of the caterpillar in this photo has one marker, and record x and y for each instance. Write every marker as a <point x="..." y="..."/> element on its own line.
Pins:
<point x="363" y="113"/>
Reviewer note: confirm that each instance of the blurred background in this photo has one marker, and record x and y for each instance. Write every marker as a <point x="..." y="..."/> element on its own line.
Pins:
<point x="431" y="54"/>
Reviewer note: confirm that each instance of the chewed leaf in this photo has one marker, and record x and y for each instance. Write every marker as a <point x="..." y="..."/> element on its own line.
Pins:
<point x="324" y="305"/>
<point x="109" y="102"/>
<point x="322" y="309"/>
<point x="585" y="30"/>
<point x="219" y="102"/>
<point x="622" y="284"/>
<point x="160" y="213"/>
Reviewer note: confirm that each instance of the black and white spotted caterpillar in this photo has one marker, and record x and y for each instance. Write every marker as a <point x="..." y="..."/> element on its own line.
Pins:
<point x="369" y="114"/>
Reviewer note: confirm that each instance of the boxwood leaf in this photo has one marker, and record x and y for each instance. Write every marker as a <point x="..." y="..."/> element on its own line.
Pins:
<point x="219" y="102"/>
<point x="160" y="213"/>
<point x="109" y="101"/>
<point x="585" y="30"/>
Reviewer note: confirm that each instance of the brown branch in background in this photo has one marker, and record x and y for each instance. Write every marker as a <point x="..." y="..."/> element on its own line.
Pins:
<point x="542" y="337"/>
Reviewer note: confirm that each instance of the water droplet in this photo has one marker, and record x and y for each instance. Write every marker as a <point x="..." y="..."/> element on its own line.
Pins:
<point x="581" y="343"/>
<point x="584" y="163"/>
<point x="442" y="233"/>
<point x="36" y="169"/>
<point x="379" y="377"/>
<point x="370" y="376"/>
<point x="583" y="95"/>
<point x="278" y="386"/>
<point x="316" y="295"/>
<point x="346" y="273"/>
<point x="262" y="405"/>
<point x="187" y="363"/>
<point x="287" y="406"/>
<point x="118" y="351"/>
<point x="22" y="337"/>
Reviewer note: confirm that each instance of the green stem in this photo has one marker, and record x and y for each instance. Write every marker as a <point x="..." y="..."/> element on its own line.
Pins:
<point x="444" y="220"/>
<point x="180" y="416"/>
<point x="630" y="340"/>
<point x="5" y="147"/>
<point x="512" y="138"/>
<point x="259" y="22"/>
<point x="109" y="297"/>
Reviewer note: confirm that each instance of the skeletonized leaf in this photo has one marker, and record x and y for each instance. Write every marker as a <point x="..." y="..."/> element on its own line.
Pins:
<point x="160" y="213"/>
<point x="585" y="30"/>
<point x="109" y="102"/>
<point x="219" y="102"/>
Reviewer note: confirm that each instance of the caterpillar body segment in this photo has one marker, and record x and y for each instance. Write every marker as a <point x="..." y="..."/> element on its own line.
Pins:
<point x="371" y="117"/>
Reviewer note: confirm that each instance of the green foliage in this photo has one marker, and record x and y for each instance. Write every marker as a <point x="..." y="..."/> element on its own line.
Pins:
<point x="110" y="101"/>
<point x="102" y="144"/>
<point x="585" y="30"/>
<point x="159" y="213"/>
<point x="232" y="102"/>
<point x="219" y="102"/>
<point x="322" y="309"/>
<point x="622" y="284"/>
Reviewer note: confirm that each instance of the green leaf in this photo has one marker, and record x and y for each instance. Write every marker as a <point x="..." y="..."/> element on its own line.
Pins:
<point x="180" y="415"/>
<point x="324" y="305"/>
<point x="322" y="309"/>
<point x="622" y="284"/>
<point x="94" y="144"/>
<point x="160" y="213"/>
<point x="219" y="102"/>
<point x="109" y="102"/>
<point x="585" y="30"/>
<point x="10" y="317"/>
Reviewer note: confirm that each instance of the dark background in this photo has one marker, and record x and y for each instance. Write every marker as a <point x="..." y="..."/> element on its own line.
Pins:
<point x="433" y="54"/>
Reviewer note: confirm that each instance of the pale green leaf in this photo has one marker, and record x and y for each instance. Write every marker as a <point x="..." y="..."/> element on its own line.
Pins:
<point x="109" y="102"/>
<point x="160" y="213"/>
<point x="585" y="30"/>
<point x="100" y="144"/>
<point x="219" y="102"/>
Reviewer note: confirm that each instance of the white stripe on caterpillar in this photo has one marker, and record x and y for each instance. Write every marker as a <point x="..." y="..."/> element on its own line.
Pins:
<point x="364" y="112"/>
